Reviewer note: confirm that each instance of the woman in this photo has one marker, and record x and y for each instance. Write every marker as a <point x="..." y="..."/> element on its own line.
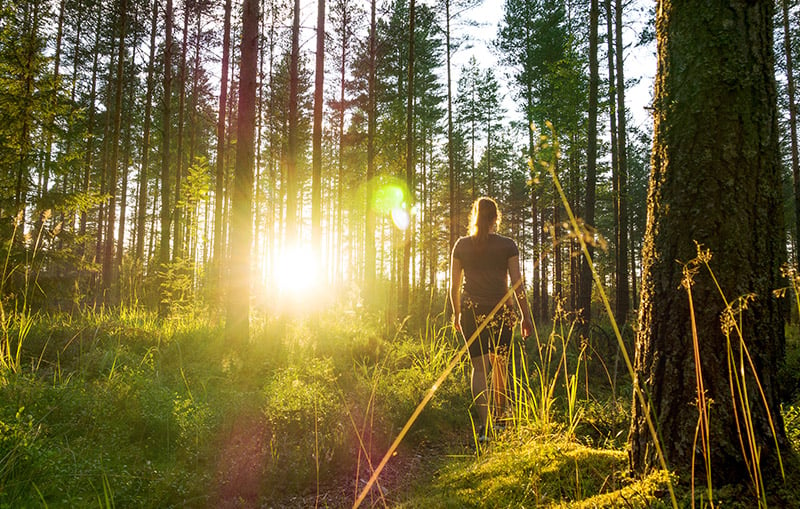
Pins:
<point x="484" y="261"/>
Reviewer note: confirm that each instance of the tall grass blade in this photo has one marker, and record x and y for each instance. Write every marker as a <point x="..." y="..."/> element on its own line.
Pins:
<point x="429" y="394"/>
<point x="607" y="305"/>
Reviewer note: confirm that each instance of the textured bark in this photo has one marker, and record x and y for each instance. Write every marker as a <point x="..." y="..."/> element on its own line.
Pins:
<point x="715" y="180"/>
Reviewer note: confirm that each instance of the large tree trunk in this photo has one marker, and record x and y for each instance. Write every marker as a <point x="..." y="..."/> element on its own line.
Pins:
<point x="716" y="181"/>
<point x="238" y="321"/>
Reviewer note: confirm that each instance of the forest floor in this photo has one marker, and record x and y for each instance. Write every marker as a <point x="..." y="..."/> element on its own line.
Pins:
<point x="135" y="412"/>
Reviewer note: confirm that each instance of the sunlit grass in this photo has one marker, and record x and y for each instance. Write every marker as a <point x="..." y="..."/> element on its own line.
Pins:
<point x="532" y="470"/>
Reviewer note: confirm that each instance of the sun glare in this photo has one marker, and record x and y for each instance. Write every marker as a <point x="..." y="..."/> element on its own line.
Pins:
<point x="297" y="273"/>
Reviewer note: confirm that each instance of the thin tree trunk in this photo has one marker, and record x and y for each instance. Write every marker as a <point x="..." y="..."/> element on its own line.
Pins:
<point x="612" y="101"/>
<point x="369" y="243"/>
<point x="340" y="156"/>
<point x="48" y="163"/>
<point x="787" y="45"/>
<point x="141" y="206"/>
<point x="622" y="284"/>
<point x="451" y="167"/>
<point x="292" y="156"/>
<point x="89" y="160"/>
<point x="177" y="212"/>
<point x="109" y="272"/>
<point x="316" y="178"/>
<point x="238" y="323"/>
<point x="123" y="199"/>
<point x="557" y="249"/>
<point x="585" y="291"/>
<point x="163" y="257"/>
<point x="409" y="233"/>
<point x="219" y="250"/>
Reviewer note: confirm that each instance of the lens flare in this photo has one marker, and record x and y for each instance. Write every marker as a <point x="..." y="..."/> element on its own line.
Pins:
<point x="401" y="218"/>
<point x="391" y="199"/>
<point x="388" y="197"/>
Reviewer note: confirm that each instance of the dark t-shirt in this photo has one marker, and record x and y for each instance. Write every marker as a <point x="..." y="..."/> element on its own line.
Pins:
<point x="485" y="267"/>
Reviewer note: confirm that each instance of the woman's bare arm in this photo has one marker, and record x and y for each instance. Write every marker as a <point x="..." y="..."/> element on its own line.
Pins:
<point x="522" y="300"/>
<point x="456" y="274"/>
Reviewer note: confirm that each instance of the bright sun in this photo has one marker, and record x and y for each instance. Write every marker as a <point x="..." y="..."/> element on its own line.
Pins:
<point x="296" y="273"/>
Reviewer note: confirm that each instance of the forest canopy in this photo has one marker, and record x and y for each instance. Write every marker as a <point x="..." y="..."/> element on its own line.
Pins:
<point x="119" y="148"/>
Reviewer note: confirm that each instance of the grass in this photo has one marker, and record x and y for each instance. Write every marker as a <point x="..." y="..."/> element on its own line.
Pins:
<point x="125" y="410"/>
<point x="530" y="470"/>
<point x="147" y="413"/>
<point x="131" y="411"/>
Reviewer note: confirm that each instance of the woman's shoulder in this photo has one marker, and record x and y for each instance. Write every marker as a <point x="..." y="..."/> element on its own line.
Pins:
<point x="507" y="244"/>
<point x="462" y="243"/>
<point x="501" y="239"/>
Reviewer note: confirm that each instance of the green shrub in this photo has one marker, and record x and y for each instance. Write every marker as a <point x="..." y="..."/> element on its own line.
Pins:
<point x="308" y="424"/>
<point x="791" y="419"/>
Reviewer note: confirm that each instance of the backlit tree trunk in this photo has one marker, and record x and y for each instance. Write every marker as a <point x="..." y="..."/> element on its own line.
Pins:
<point x="238" y="321"/>
<point x="316" y="184"/>
<point x="716" y="181"/>
<point x="293" y="143"/>
<point x="165" y="216"/>
<point x="409" y="233"/>
<point x="218" y="256"/>
<point x="371" y="223"/>
<point x="141" y="207"/>
<point x="109" y="272"/>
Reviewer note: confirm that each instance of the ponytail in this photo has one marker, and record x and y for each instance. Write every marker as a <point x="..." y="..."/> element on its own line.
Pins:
<point x="483" y="216"/>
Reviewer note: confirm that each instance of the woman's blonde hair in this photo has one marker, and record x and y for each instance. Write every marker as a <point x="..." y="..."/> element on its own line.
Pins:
<point x="484" y="215"/>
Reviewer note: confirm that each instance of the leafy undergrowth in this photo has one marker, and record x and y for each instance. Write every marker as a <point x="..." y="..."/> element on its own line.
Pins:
<point x="131" y="411"/>
<point x="127" y="410"/>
